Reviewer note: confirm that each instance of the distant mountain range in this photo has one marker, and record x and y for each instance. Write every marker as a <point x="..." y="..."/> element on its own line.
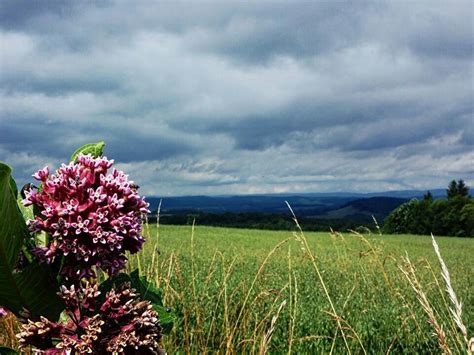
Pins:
<point x="339" y="205"/>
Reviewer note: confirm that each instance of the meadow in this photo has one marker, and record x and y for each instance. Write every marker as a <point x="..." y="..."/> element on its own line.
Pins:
<point x="254" y="291"/>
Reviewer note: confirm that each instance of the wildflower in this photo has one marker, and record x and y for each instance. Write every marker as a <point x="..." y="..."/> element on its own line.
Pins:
<point x="122" y="324"/>
<point x="92" y="214"/>
<point x="3" y="312"/>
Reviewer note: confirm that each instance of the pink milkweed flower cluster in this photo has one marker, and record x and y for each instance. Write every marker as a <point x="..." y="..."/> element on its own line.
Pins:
<point x="91" y="213"/>
<point x="124" y="325"/>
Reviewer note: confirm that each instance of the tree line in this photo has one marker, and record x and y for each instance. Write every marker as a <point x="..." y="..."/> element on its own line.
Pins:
<point x="453" y="216"/>
<point x="258" y="220"/>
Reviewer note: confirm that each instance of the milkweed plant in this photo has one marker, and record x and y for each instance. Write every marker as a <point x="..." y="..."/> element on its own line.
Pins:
<point x="55" y="239"/>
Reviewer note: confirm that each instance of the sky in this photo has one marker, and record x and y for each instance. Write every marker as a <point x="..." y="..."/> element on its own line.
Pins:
<point x="204" y="98"/>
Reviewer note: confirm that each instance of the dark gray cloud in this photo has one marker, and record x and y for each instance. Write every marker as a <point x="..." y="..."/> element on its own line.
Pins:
<point x="18" y="14"/>
<point x="214" y="97"/>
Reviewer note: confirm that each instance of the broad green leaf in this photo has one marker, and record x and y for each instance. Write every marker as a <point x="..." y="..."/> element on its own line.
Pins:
<point x="12" y="226"/>
<point x="95" y="149"/>
<point x="166" y="317"/>
<point x="145" y="288"/>
<point x="35" y="290"/>
<point x="13" y="186"/>
<point x="33" y="287"/>
<point x="7" y="351"/>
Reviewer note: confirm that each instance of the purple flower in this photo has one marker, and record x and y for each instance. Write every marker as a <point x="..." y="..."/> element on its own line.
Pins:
<point x="3" y="312"/>
<point x="122" y="324"/>
<point x="42" y="174"/>
<point x="92" y="214"/>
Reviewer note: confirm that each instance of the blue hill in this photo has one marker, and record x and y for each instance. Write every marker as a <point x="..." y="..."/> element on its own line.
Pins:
<point x="305" y="204"/>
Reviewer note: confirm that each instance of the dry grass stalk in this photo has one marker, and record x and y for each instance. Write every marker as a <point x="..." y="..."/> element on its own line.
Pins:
<point x="379" y="230"/>
<point x="222" y="294"/>
<point x="389" y="350"/>
<point x="376" y="257"/>
<point x="409" y="273"/>
<point x="349" y="328"/>
<point x="268" y="335"/>
<point x="301" y="238"/>
<point x="193" y="279"/>
<point x="336" y="234"/>
<point x="456" y="310"/>
<point x="8" y="330"/>
<point x="157" y="241"/>
<point x="246" y="299"/>
<point x="293" y="288"/>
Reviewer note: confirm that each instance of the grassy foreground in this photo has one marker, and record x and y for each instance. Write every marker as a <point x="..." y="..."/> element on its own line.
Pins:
<point x="252" y="291"/>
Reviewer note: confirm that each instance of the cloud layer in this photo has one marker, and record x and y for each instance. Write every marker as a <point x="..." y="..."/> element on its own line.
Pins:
<point x="220" y="98"/>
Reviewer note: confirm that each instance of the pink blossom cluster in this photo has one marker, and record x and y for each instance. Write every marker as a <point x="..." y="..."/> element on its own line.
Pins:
<point x="91" y="214"/>
<point x="122" y="324"/>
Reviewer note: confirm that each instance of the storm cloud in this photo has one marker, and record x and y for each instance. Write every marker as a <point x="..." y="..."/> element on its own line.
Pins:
<point x="223" y="98"/>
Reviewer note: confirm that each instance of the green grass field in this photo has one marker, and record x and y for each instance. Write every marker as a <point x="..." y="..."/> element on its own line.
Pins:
<point x="238" y="290"/>
<point x="253" y="291"/>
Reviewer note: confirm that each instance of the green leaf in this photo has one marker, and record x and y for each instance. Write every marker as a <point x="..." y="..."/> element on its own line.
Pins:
<point x="166" y="317"/>
<point x="12" y="231"/>
<point x="95" y="149"/>
<point x="147" y="292"/>
<point x="7" y="351"/>
<point x="33" y="288"/>
<point x="13" y="186"/>
<point x="145" y="288"/>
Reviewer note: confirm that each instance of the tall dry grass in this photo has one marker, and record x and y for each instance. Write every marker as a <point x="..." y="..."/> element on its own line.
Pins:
<point x="232" y="325"/>
<point x="225" y="305"/>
